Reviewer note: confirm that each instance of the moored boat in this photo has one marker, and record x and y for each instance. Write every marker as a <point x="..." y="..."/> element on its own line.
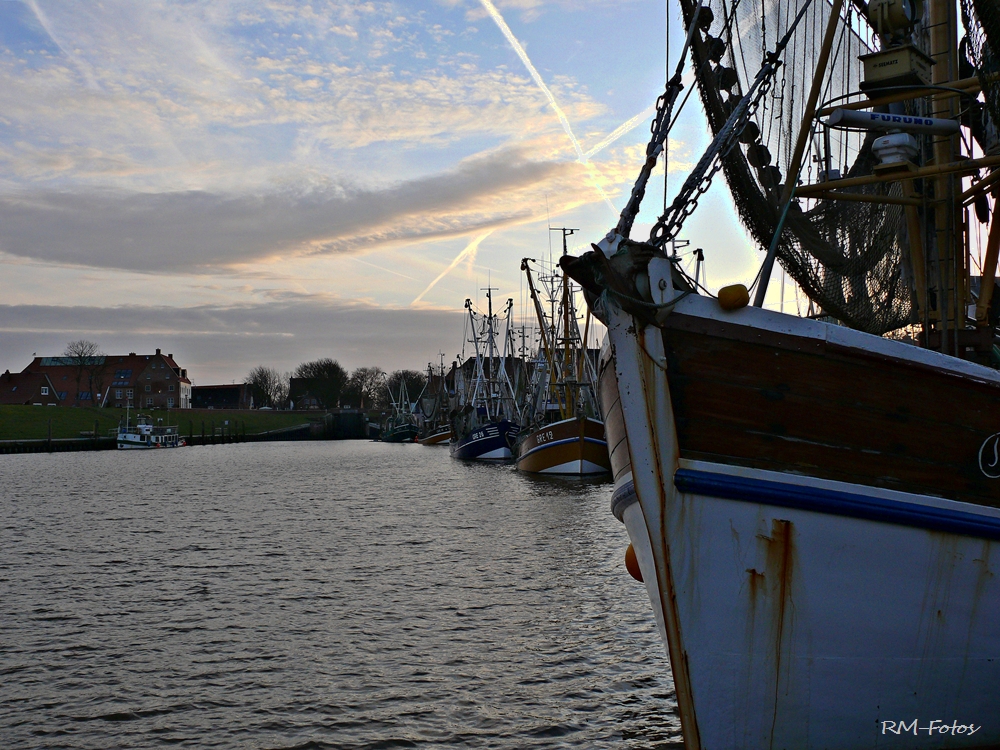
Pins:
<point x="434" y="402"/>
<point x="570" y="446"/>
<point x="401" y="424"/>
<point x="483" y="427"/>
<point x="564" y="434"/>
<point x="492" y="440"/>
<point x="813" y="507"/>
<point x="144" y="435"/>
<point x="440" y="436"/>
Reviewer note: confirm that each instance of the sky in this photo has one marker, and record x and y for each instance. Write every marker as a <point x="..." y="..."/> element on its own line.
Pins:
<point x="244" y="182"/>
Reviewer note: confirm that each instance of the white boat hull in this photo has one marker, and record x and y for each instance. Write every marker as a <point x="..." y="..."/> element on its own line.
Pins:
<point x="801" y="612"/>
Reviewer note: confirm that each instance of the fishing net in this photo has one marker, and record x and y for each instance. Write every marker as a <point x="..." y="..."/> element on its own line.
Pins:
<point x="981" y="19"/>
<point x="850" y="257"/>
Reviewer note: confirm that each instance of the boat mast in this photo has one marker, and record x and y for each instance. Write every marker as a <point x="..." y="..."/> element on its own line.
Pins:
<point x="566" y="367"/>
<point x="946" y="240"/>
<point x="480" y="374"/>
<point x="542" y="328"/>
<point x="491" y="383"/>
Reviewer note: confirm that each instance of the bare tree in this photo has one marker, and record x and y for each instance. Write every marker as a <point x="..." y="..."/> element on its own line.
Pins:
<point x="415" y="382"/>
<point x="364" y="386"/>
<point x="325" y="380"/>
<point x="268" y="387"/>
<point x="88" y="361"/>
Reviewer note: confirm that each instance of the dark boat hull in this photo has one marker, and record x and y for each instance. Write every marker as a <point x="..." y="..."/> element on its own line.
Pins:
<point x="401" y="434"/>
<point x="490" y="442"/>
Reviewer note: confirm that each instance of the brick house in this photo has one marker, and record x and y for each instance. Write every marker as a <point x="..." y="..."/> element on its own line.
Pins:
<point x="27" y="388"/>
<point x="149" y="381"/>
<point x="234" y="396"/>
<point x="300" y="396"/>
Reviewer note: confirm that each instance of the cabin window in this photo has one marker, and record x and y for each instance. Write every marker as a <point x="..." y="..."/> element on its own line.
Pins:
<point x="45" y="390"/>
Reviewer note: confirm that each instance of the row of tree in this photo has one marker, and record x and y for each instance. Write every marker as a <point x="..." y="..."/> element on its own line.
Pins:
<point x="332" y="386"/>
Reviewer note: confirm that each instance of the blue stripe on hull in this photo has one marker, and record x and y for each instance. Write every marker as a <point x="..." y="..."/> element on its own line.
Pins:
<point x="835" y="502"/>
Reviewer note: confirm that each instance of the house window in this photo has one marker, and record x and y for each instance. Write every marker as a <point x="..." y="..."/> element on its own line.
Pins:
<point x="170" y="388"/>
<point x="148" y="388"/>
<point x="118" y="393"/>
<point x="170" y="402"/>
<point x="128" y="393"/>
<point x="84" y="396"/>
<point x="45" y="390"/>
<point x="149" y="400"/>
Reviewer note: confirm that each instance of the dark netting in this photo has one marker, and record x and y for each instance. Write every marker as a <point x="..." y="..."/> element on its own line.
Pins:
<point x="981" y="19"/>
<point x="850" y="258"/>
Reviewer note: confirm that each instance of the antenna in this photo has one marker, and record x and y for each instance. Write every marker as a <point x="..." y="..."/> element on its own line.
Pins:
<point x="566" y="232"/>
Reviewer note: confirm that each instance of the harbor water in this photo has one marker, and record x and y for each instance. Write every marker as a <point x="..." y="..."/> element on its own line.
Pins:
<point x="318" y="595"/>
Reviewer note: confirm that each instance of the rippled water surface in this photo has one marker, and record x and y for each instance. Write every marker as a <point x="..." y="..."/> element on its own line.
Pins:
<point x="318" y="595"/>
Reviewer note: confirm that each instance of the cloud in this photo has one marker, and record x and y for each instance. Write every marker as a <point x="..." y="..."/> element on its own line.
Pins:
<point x="219" y="343"/>
<point x="196" y="231"/>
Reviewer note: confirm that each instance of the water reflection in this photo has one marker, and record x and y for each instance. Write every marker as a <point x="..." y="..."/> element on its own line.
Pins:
<point x="342" y="595"/>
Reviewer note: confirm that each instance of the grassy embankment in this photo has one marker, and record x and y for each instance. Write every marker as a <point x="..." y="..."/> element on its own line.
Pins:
<point x="32" y="422"/>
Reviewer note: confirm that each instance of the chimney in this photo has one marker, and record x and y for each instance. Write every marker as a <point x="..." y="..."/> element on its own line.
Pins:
<point x="131" y="354"/>
<point x="171" y="356"/>
<point x="157" y="351"/>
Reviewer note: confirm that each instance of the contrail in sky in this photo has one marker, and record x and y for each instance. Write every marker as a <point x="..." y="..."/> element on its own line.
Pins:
<point x="580" y="156"/>
<point x="621" y="130"/>
<point x="380" y="268"/>
<point x="470" y="250"/>
<point x="47" y="26"/>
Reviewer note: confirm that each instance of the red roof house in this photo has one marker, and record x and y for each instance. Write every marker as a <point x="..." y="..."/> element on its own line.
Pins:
<point x="152" y="381"/>
<point x="27" y="388"/>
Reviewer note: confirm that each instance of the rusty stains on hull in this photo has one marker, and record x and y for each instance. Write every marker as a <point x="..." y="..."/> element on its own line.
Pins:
<point x="770" y="615"/>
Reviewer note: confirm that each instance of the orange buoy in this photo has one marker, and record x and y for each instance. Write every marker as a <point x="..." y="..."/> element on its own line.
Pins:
<point x="632" y="564"/>
<point x="733" y="297"/>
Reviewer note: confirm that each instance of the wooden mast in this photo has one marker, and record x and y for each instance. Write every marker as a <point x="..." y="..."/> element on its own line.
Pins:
<point x="989" y="272"/>
<point x="948" y="262"/>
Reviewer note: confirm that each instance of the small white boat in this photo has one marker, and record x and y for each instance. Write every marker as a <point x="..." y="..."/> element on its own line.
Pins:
<point x="144" y="434"/>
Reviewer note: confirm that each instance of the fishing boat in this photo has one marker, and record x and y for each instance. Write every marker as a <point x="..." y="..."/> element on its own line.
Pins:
<point x="400" y="425"/>
<point x="483" y="426"/>
<point x="564" y="432"/>
<point x="147" y="435"/>
<point x="813" y="504"/>
<point x="439" y="436"/>
<point x="434" y="402"/>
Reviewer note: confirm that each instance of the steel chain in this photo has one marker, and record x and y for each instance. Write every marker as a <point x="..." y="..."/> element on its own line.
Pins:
<point x="668" y="226"/>
<point x="658" y="128"/>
